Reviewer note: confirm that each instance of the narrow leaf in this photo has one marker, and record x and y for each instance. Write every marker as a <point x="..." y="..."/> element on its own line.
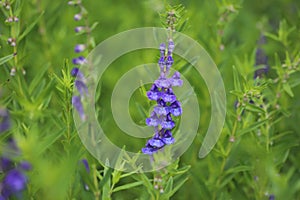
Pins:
<point x="6" y="59"/>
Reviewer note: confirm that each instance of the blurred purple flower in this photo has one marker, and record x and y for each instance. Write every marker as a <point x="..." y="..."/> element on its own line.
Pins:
<point x="261" y="59"/>
<point x="4" y="120"/>
<point x="79" y="48"/>
<point x="79" y="29"/>
<point x="79" y="61"/>
<point x="82" y="89"/>
<point x="86" y="165"/>
<point x="14" y="182"/>
<point x="75" y="72"/>
<point x="5" y="164"/>
<point x="76" y="102"/>
<point x="24" y="165"/>
<point x="14" y="179"/>
<point x="78" y="17"/>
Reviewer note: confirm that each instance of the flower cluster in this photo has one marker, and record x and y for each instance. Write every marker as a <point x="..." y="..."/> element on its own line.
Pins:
<point x="167" y="103"/>
<point x="14" y="180"/>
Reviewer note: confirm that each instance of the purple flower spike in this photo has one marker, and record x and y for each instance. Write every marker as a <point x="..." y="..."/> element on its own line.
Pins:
<point x="79" y="48"/>
<point x="167" y="105"/>
<point x="76" y="101"/>
<point x="4" y="120"/>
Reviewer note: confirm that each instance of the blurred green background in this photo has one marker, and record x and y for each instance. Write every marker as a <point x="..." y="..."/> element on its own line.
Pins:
<point x="229" y="31"/>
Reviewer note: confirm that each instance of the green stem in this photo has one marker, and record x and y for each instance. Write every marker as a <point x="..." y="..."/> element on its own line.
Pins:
<point x="14" y="36"/>
<point x="97" y="191"/>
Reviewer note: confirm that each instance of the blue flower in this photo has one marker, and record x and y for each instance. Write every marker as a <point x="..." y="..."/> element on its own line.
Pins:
<point x="154" y="93"/>
<point x="176" y="109"/>
<point x="167" y="103"/>
<point x="168" y="123"/>
<point x="168" y="95"/>
<point x="159" y="140"/>
<point x="153" y="120"/>
<point x="167" y="137"/>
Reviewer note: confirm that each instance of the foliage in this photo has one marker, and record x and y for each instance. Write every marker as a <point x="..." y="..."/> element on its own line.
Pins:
<point x="256" y="156"/>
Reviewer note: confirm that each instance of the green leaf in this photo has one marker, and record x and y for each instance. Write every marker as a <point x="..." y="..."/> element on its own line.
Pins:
<point x="238" y="169"/>
<point x="179" y="183"/>
<point x="128" y="186"/>
<point x="37" y="78"/>
<point x="30" y="27"/>
<point x="252" y="127"/>
<point x="169" y="186"/>
<point x="50" y="139"/>
<point x="6" y="59"/>
<point x="105" y="183"/>
<point x="106" y="177"/>
<point x="288" y="90"/>
<point x="236" y="79"/>
<point x="254" y="108"/>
